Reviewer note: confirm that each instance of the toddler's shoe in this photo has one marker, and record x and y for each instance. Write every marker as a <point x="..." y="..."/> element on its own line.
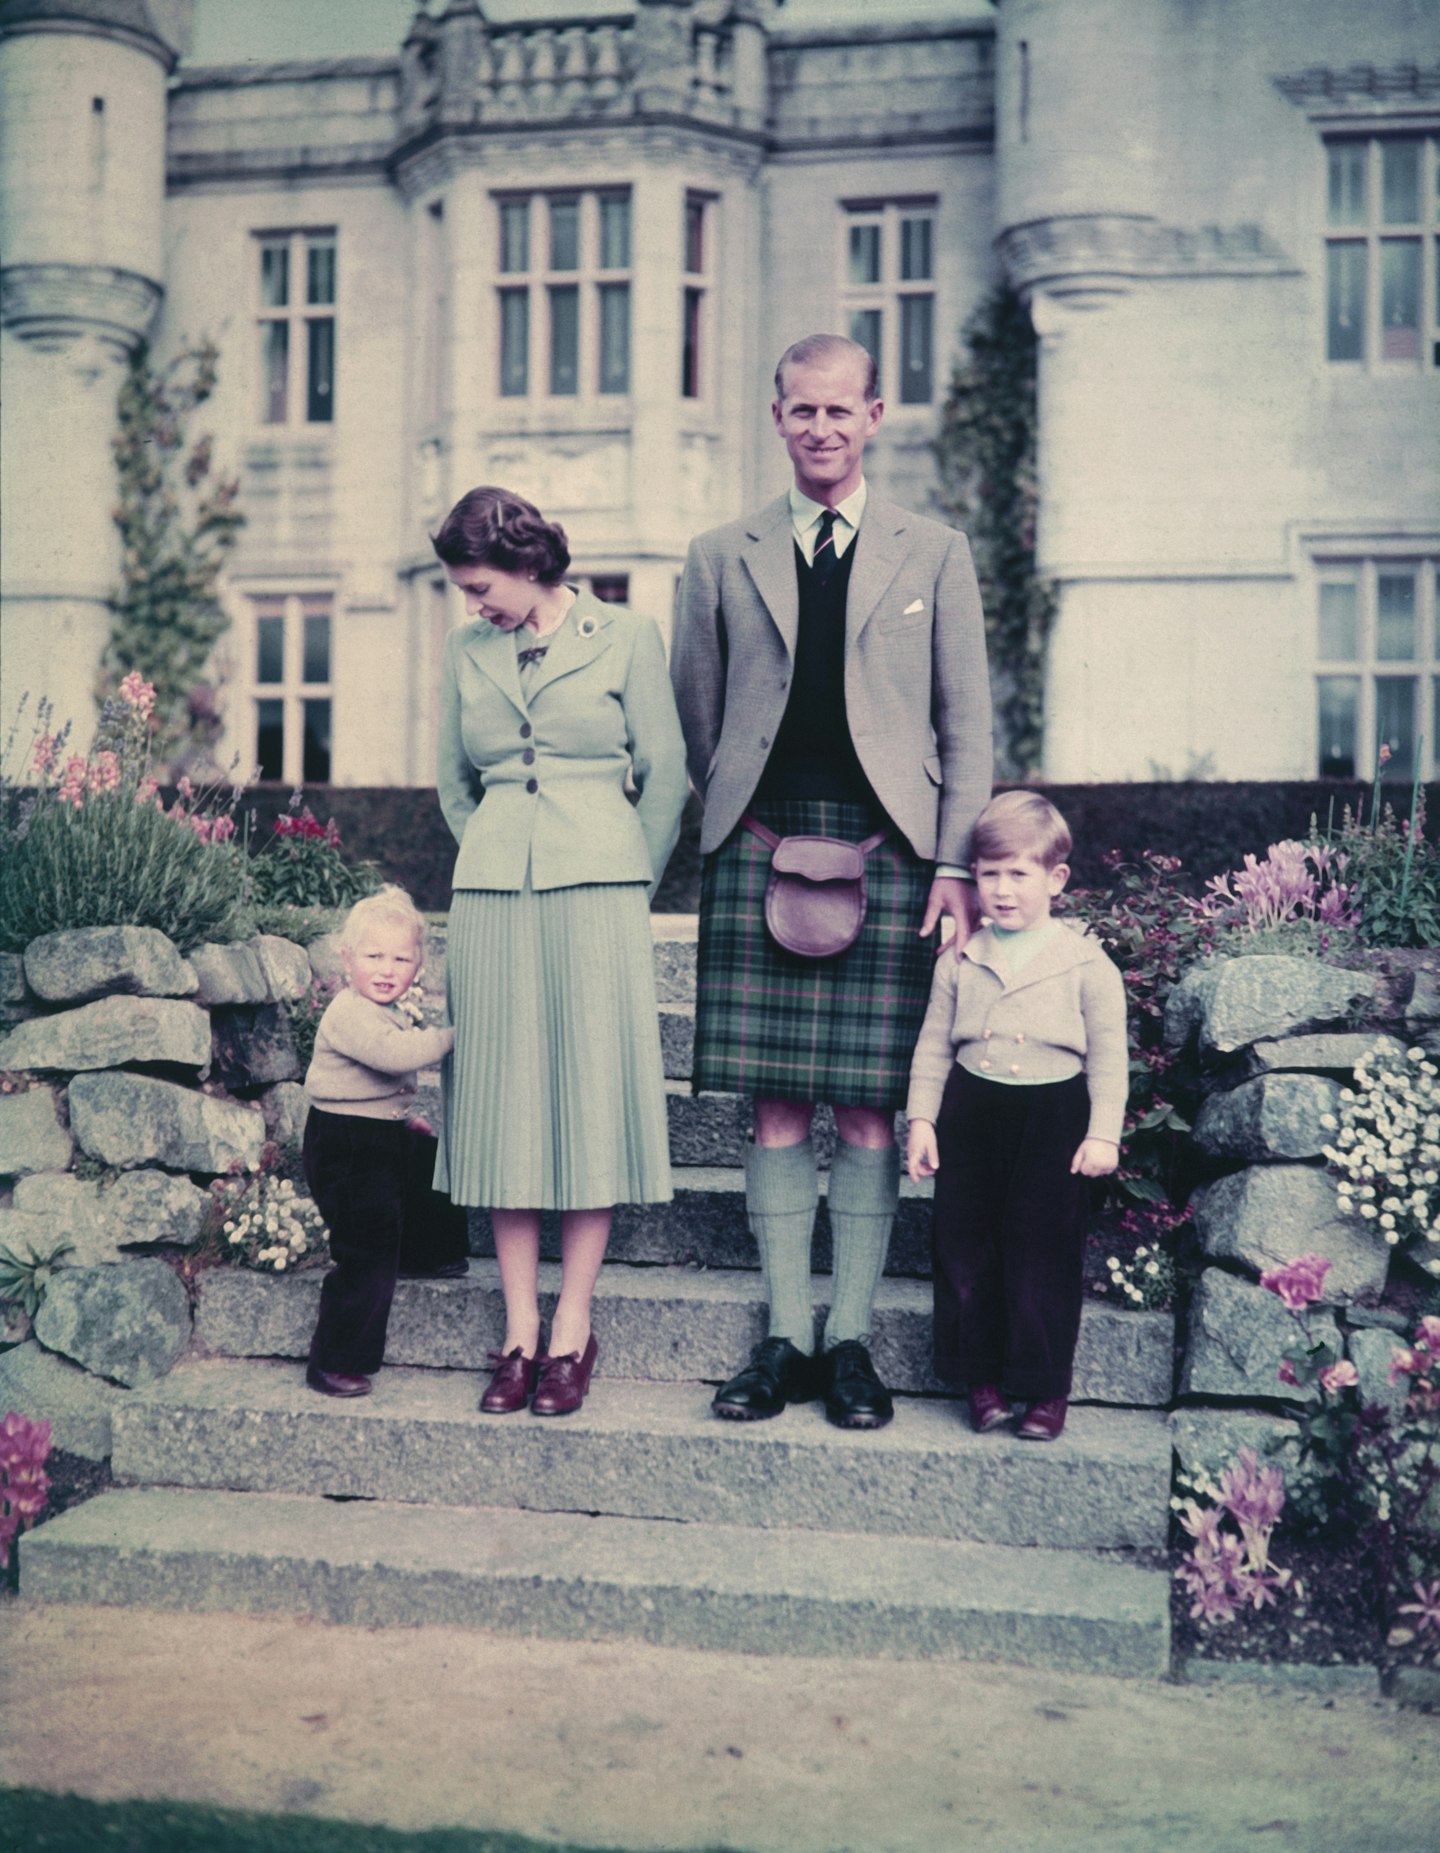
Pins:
<point x="336" y="1383"/>
<point x="1043" y="1421"/>
<point x="988" y="1408"/>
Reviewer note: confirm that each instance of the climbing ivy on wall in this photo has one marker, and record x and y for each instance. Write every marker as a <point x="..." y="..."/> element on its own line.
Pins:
<point x="985" y="460"/>
<point x="178" y="520"/>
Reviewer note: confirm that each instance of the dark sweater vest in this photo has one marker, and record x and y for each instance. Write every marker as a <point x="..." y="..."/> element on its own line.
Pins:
<point x="813" y="756"/>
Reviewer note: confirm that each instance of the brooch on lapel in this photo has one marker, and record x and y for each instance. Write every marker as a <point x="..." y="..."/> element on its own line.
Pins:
<point x="587" y="626"/>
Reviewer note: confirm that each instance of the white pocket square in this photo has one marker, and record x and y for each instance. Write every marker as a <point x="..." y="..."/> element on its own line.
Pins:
<point x="910" y="610"/>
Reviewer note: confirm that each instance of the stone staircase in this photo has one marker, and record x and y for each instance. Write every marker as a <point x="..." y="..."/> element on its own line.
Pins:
<point x="640" y="1516"/>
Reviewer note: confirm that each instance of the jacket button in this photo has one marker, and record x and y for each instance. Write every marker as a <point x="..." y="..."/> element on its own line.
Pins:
<point x="784" y="682"/>
<point x="532" y="784"/>
<point x="764" y="744"/>
<point x="528" y="756"/>
<point x="525" y="730"/>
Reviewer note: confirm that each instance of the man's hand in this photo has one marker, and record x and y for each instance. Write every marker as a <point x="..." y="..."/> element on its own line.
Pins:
<point x="1095" y="1158"/>
<point x="922" y="1156"/>
<point x="960" y="900"/>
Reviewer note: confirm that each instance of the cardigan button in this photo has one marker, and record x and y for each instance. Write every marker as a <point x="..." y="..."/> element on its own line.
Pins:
<point x="528" y="756"/>
<point x="525" y="730"/>
<point x="532" y="784"/>
<point x="1020" y="1036"/>
<point x="988" y="1034"/>
<point x="1014" y="1067"/>
<point x="985" y="1065"/>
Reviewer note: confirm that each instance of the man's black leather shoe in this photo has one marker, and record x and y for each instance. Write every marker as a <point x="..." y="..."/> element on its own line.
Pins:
<point x="778" y="1373"/>
<point x="854" y="1395"/>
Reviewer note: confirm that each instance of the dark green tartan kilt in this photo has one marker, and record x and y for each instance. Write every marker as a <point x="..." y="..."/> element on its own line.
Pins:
<point x="779" y="1027"/>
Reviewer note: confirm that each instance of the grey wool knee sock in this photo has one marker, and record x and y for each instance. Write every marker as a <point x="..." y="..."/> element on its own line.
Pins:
<point x="782" y="1194"/>
<point x="864" y="1192"/>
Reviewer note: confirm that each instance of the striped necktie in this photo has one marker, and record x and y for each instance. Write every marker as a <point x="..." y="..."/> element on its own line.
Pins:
<point x="824" y="555"/>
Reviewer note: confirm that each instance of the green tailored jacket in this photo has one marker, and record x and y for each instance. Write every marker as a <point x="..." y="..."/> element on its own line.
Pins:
<point x="536" y="781"/>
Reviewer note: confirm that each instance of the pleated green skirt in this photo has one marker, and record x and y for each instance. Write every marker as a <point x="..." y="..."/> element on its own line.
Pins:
<point x="554" y="1094"/>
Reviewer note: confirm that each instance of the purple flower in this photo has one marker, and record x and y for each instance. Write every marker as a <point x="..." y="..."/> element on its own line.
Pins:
<point x="1300" y="1282"/>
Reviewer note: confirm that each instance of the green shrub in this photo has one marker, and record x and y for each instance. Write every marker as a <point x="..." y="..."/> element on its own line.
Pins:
<point x="301" y="865"/>
<point x="90" y="844"/>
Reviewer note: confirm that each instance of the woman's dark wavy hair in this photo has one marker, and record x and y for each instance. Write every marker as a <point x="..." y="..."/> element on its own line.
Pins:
<point x="493" y="527"/>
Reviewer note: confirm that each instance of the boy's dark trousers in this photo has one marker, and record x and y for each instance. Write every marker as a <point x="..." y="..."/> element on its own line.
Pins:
<point x="372" y="1181"/>
<point x="1009" y="1233"/>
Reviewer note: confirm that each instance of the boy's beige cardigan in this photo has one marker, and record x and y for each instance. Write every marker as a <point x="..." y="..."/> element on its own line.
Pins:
<point x="366" y="1057"/>
<point x="1064" y="1014"/>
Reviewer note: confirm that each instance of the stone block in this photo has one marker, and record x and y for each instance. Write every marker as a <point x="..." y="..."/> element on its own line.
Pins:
<point x="1238" y="1334"/>
<point x="129" y="1120"/>
<point x="77" y="1406"/>
<point x="16" y="1324"/>
<point x="286" y="967"/>
<point x="70" y="968"/>
<point x="1370" y="1352"/>
<point x="1276" y="1116"/>
<point x="254" y="1045"/>
<point x="126" y="1323"/>
<point x="1207" y="1440"/>
<point x="1423" y="1010"/>
<point x="110" y="1033"/>
<point x="1336" y="1053"/>
<point x="326" y="965"/>
<point x="1258" y="997"/>
<point x="1266" y="1215"/>
<point x="140" y="1206"/>
<point x="677" y="1042"/>
<point x="285" y="1108"/>
<point x="31" y="1136"/>
<point x="230" y="975"/>
<point x="675" y="971"/>
<point x="13" y="989"/>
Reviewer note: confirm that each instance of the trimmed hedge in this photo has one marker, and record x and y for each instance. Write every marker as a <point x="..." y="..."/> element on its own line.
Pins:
<point x="1210" y="826"/>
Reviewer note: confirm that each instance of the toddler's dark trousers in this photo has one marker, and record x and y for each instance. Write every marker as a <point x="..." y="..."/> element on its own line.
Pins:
<point x="1009" y="1233"/>
<point x="372" y="1181"/>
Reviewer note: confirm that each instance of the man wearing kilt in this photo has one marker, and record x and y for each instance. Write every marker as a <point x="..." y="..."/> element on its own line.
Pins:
<point x="829" y="665"/>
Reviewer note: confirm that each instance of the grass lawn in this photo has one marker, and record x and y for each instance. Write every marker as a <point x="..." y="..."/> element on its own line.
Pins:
<point x="34" y="1822"/>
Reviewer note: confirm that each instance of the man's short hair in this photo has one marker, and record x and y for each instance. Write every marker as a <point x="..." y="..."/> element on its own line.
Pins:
<point x="827" y="347"/>
<point x="1020" y="823"/>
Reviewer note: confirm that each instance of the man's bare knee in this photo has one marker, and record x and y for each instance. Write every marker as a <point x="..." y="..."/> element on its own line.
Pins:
<point x="866" y="1127"/>
<point x="782" y="1122"/>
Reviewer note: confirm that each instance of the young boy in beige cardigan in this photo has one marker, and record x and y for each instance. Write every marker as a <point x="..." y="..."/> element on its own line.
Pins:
<point x="1017" y="1098"/>
<point x="370" y="1165"/>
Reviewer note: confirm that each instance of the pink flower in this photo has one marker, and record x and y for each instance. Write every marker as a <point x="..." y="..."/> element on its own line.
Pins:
<point x="46" y="747"/>
<point x="1428" y="1333"/>
<point x="1341" y="1376"/>
<point x="222" y="829"/>
<point x="147" y="790"/>
<point x="1427" y="1608"/>
<point x="200" y="826"/>
<point x="104" y="772"/>
<point x="1286" y="1373"/>
<point x="1403" y="1363"/>
<point x="1300" y="1282"/>
<point x="1203" y="1524"/>
<point x="73" y="784"/>
<point x="139" y="693"/>
<point x="186" y="790"/>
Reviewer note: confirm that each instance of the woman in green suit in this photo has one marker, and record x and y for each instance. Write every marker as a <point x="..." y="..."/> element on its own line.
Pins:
<point x="551" y="705"/>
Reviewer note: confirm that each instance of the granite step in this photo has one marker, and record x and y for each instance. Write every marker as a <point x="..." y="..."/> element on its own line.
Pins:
<point x="640" y="1450"/>
<point x="563" y="1576"/>
<point x="662" y="1324"/>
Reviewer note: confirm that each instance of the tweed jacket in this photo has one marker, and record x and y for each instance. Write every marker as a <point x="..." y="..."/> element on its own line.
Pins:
<point x="1062" y="1013"/>
<point x="917" y="692"/>
<point x="534" y="780"/>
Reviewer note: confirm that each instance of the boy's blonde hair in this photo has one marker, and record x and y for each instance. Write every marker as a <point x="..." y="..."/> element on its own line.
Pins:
<point x="387" y="903"/>
<point x="1021" y="823"/>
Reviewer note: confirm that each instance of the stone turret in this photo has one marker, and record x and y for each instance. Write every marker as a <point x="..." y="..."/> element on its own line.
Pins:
<point x="82" y="189"/>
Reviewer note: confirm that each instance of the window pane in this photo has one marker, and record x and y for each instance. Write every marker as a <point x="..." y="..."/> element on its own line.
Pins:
<point x="1345" y="301"/>
<point x="1339" y="703"/>
<point x="564" y="234"/>
<point x="1395" y="724"/>
<point x="274" y="276"/>
<point x="614" y="337"/>
<point x="695" y="236"/>
<point x="690" y="348"/>
<point x="275" y="362"/>
<point x="915" y="252"/>
<point x="614" y="234"/>
<point x="320" y="272"/>
<point x="270" y="739"/>
<point x="1395" y="617"/>
<point x="514" y="343"/>
<point x="865" y="328"/>
<point x="1339" y="631"/>
<point x="1400" y="299"/>
<point x="270" y="649"/>
<point x="917" y="315"/>
<point x="514" y="235"/>
<point x="1400" y="182"/>
<point x="316" y="666"/>
<point x="864" y="253"/>
<point x="565" y="340"/>
<point x="320" y="391"/>
<point x="315" y="765"/>
<point x="1347" y="183"/>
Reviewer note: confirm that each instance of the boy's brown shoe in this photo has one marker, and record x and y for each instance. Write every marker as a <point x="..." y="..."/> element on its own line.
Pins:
<point x="1043" y="1421"/>
<point x="988" y="1408"/>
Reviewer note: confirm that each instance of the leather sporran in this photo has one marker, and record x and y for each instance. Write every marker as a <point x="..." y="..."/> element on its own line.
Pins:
<point x="815" y="898"/>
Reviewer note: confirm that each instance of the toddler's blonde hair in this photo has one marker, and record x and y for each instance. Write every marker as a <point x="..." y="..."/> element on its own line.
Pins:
<point x="388" y="903"/>
<point x="1021" y="823"/>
